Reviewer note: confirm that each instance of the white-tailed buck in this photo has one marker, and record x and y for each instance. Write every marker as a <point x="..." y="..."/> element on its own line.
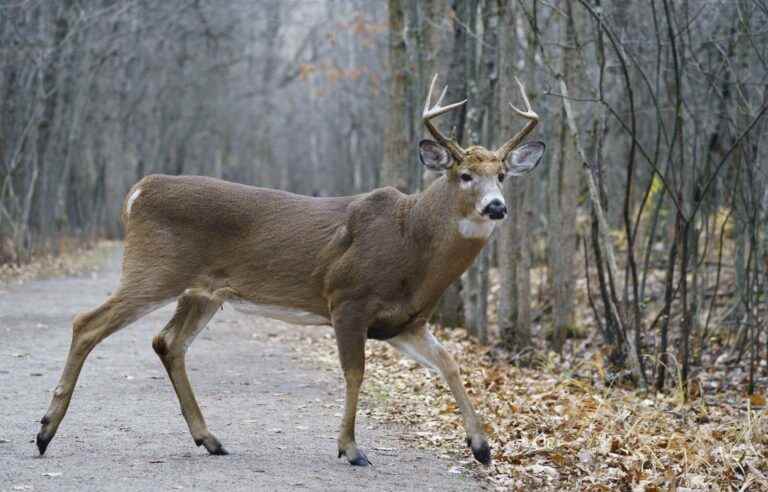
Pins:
<point x="371" y="265"/>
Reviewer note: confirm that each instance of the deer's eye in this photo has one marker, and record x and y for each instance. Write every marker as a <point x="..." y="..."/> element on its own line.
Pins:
<point x="501" y="177"/>
<point x="466" y="177"/>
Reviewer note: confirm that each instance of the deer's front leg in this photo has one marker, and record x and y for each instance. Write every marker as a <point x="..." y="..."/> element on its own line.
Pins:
<point x="351" y="333"/>
<point x="422" y="346"/>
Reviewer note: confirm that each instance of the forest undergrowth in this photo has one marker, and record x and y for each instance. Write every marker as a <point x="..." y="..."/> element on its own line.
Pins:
<point x="74" y="257"/>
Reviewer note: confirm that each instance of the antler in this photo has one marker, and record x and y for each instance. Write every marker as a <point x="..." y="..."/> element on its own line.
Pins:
<point x="529" y="114"/>
<point x="453" y="147"/>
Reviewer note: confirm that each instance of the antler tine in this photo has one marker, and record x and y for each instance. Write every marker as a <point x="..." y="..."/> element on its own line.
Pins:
<point x="453" y="147"/>
<point x="438" y="110"/>
<point x="529" y="114"/>
<point x="429" y="94"/>
<point x="442" y="95"/>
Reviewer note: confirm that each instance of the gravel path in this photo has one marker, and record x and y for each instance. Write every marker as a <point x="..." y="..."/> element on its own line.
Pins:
<point x="276" y="412"/>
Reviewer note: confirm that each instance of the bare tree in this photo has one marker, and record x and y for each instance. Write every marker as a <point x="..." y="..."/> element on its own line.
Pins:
<point x="397" y="169"/>
<point x="563" y="191"/>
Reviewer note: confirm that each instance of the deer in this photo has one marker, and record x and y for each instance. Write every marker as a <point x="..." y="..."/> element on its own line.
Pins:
<point x="372" y="266"/>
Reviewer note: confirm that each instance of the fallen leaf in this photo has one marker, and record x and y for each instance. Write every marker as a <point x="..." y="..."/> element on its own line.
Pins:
<point x="757" y="400"/>
<point x="544" y="470"/>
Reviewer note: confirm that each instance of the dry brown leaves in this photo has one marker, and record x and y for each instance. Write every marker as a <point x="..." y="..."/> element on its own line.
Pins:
<point x="554" y="432"/>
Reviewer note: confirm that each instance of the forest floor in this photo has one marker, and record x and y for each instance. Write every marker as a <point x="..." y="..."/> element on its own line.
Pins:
<point x="555" y="427"/>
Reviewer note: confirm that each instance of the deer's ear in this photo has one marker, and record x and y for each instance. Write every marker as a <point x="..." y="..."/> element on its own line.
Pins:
<point x="525" y="158"/>
<point x="434" y="156"/>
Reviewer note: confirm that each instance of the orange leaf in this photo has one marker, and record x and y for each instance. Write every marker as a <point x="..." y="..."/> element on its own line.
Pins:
<point x="757" y="400"/>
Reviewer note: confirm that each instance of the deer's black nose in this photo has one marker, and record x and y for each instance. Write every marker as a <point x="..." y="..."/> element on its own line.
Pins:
<point x="495" y="209"/>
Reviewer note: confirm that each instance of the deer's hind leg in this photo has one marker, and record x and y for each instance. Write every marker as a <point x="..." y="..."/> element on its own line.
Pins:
<point x="88" y="330"/>
<point x="193" y="312"/>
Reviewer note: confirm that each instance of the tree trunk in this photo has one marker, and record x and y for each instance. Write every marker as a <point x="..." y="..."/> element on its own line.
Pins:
<point x="396" y="168"/>
<point x="450" y="310"/>
<point x="563" y="191"/>
<point x="433" y="12"/>
<point x="479" y="72"/>
<point x="43" y="214"/>
<point x="514" y="276"/>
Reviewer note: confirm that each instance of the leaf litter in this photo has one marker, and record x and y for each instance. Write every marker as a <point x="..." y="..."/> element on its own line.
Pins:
<point x="552" y="428"/>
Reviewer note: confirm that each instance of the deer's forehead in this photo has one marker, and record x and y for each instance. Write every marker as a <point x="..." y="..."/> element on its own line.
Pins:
<point x="481" y="161"/>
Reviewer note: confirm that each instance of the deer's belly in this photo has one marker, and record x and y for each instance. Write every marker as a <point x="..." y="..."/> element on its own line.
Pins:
<point x="281" y="313"/>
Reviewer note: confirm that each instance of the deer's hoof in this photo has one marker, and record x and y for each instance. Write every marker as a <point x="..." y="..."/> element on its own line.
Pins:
<point x="361" y="460"/>
<point x="213" y="446"/>
<point x="44" y="436"/>
<point x="219" y="451"/>
<point x="42" y="441"/>
<point x="356" y="457"/>
<point x="480" y="449"/>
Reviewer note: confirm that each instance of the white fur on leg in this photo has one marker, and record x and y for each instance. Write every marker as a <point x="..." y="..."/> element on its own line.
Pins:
<point x="421" y="347"/>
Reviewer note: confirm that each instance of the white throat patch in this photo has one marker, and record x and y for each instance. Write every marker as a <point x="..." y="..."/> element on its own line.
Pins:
<point x="473" y="228"/>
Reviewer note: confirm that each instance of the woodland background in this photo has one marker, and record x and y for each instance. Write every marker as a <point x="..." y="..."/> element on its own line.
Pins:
<point x="653" y="113"/>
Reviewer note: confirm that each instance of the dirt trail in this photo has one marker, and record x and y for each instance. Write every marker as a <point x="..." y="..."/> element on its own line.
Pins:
<point x="276" y="412"/>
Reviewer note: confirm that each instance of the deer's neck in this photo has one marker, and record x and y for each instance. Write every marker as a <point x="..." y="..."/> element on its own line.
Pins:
<point x="437" y="213"/>
<point x="436" y="225"/>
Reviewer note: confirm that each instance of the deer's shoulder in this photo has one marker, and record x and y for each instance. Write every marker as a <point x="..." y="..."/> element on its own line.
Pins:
<point x="378" y="210"/>
<point x="369" y="240"/>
